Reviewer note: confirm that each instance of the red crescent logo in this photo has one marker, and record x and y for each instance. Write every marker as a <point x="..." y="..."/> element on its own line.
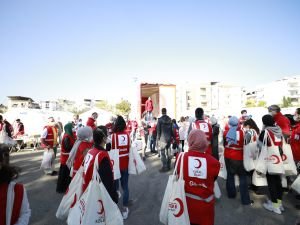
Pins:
<point x="284" y="157"/>
<point x="180" y="212"/>
<point x="74" y="201"/>
<point x="200" y="164"/>
<point x="112" y="162"/>
<point x="123" y="138"/>
<point x="276" y="158"/>
<point x="101" y="207"/>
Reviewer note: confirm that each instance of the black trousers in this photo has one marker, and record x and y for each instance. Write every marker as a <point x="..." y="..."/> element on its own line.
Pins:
<point x="182" y="145"/>
<point x="275" y="187"/>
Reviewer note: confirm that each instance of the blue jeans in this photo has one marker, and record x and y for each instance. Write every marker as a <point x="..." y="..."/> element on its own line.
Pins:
<point x="231" y="190"/>
<point x="152" y="143"/>
<point x="124" y="184"/>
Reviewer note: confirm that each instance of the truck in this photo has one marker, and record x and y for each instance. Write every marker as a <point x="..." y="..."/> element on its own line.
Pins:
<point x="162" y="95"/>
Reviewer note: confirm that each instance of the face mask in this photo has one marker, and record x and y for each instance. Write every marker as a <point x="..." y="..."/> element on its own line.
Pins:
<point x="296" y="118"/>
<point x="244" y="114"/>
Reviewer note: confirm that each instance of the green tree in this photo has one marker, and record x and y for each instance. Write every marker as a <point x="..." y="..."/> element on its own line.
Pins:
<point x="250" y="103"/>
<point x="262" y="104"/>
<point x="77" y="111"/>
<point x="286" y="102"/>
<point x="123" y="107"/>
<point x="104" y="105"/>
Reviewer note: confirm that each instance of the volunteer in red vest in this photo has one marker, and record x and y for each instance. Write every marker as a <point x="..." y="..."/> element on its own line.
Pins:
<point x="120" y="140"/>
<point x="14" y="205"/>
<point x="49" y="141"/>
<point x="274" y="180"/>
<point x="201" y="124"/>
<point x="134" y="127"/>
<point x="199" y="173"/>
<point x="83" y="144"/>
<point x="295" y="144"/>
<point x="233" y="153"/>
<point x="67" y="143"/>
<point x="149" y="109"/>
<point x="6" y="126"/>
<point x="105" y="167"/>
<point x="19" y="130"/>
<point x="280" y="120"/>
<point x="92" y="121"/>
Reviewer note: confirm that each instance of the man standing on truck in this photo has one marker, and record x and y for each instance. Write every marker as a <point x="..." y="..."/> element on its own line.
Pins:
<point x="164" y="136"/>
<point x="149" y="109"/>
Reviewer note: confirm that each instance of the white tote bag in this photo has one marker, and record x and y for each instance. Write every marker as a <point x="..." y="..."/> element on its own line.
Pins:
<point x="136" y="164"/>
<point x="5" y="139"/>
<point x="296" y="185"/>
<point x="223" y="171"/>
<point x="48" y="158"/>
<point x="259" y="179"/>
<point x="95" y="205"/>
<point x="288" y="159"/>
<point x="177" y="206"/>
<point x="115" y="160"/>
<point x="71" y="196"/>
<point x="261" y="162"/>
<point x="163" y="215"/>
<point x="250" y="153"/>
<point x="274" y="160"/>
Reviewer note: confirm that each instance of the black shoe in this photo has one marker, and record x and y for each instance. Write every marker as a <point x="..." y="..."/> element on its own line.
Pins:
<point x="154" y="152"/>
<point x="54" y="173"/>
<point x="297" y="207"/>
<point x="297" y="197"/>
<point x="144" y="158"/>
<point x="163" y="170"/>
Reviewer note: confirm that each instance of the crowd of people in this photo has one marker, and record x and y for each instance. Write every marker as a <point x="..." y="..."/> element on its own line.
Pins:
<point x="209" y="148"/>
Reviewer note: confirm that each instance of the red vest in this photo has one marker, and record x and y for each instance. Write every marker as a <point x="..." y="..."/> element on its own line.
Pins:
<point x="295" y="142"/>
<point x="235" y="151"/>
<point x="176" y="132"/>
<point x="18" y="199"/>
<point x="123" y="144"/>
<point x="89" y="165"/>
<point x="80" y="154"/>
<point x="64" y="155"/>
<point x="207" y="129"/>
<point x="199" y="182"/>
<point x="91" y="123"/>
<point x="51" y="135"/>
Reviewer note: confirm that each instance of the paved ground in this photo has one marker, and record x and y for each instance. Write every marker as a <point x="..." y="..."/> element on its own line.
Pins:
<point x="147" y="191"/>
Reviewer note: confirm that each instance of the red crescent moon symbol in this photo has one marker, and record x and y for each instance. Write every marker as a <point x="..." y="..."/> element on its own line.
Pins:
<point x="200" y="164"/>
<point x="284" y="157"/>
<point x="101" y="207"/>
<point x="112" y="162"/>
<point x="180" y="212"/>
<point x="123" y="138"/>
<point x="74" y="201"/>
<point x="277" y="159"/>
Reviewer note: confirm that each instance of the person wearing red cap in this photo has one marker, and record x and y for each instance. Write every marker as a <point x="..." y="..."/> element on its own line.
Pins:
<point x="200" y="170"/>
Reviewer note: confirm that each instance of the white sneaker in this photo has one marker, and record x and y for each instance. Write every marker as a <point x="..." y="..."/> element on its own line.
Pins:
<point x="119" y="194"/>
<point x="125" y="213"/>
<point x="281" y="208"/>
<point x="269" y="206"/>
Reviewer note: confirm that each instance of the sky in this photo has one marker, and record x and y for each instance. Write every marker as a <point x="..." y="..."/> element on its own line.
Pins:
<point x="93" y="49"/>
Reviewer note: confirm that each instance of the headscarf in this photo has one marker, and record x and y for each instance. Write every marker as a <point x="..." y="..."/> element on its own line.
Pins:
<point x="197" y="140"/>
<point x="69" y="129"/>
<point x="213" y="120"/>
<point x="231" y="135"/>
<point x="269" y="124"/>
<point x="83" y="134"/>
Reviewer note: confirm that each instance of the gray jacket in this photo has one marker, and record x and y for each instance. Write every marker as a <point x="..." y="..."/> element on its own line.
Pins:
<point x="164" y="128"/>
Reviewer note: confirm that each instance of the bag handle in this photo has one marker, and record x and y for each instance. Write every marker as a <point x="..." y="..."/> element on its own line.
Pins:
<point x="181" y="167"/>
<point x="96" y="175"/>
<point x="177" y="162"/>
